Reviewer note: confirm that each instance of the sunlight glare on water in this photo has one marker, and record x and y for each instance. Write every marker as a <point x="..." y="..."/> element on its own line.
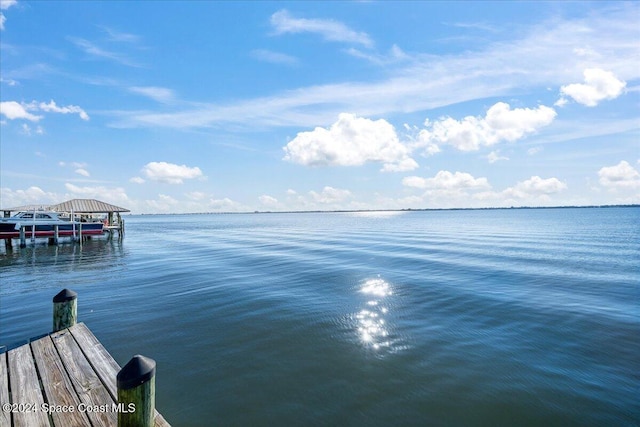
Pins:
<point x="371" y="321"/>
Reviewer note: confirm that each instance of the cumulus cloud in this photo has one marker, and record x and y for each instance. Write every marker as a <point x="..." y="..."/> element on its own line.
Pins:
<point x="170" y="173"/>
<point x="137" y="180"/>
<point x="446" y="180"/>
<point x="32" y="195"/>
<point x="27" y="130"/>
<point x="13" y="110"/>
<point x="537" y="186"/>
<point x="501" y="123"/>
<point x="598" y="85"/>
<point x="113" y="195"/>
<point x="330" y="195"/>
<point x="351" y="141"/>
<point x="53" y="108"/>
<point x="495" y="156"/>
<point x="531" y="191"/>
<point x="268" y="201"/>
<point x="224" y="204"/>
<point x="620" y="176"/>
<point x="83" y="172"/>
<point x="283" y="22"/>
<point x="4" y="5"/>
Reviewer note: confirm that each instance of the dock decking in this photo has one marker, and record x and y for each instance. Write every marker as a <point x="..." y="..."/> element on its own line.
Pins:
<point x="66" y="369"/>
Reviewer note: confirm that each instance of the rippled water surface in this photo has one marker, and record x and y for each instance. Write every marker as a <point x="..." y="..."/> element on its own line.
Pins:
<point x="490" y="317"/>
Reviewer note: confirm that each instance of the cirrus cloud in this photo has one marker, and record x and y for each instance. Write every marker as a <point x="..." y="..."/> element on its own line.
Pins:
<point x="283" y="22"/>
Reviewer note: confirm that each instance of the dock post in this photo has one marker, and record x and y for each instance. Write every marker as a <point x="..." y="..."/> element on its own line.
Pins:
<point x="8" y="244"/>
<point x="65" y="309"/>
<point x="56" y="234"/>
<point x="137" y="393"/>
<point x="23" y="238"/>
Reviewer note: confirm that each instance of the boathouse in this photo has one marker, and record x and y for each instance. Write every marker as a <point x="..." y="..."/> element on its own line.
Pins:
<point x="85" y="209"/>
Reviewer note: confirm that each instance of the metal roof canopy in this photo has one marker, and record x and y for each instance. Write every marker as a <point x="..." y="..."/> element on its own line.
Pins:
<point x="86" y="206"/>
<point x="27" y="208"/>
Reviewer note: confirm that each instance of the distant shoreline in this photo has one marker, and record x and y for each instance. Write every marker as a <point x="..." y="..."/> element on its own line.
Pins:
<point x="394" y="210"/>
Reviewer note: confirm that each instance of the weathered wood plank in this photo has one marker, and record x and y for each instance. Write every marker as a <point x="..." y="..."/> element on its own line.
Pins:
<point x="85" y="381"/>
<point x="5" y="416"/>
<point x="25" y="389"/>
<point x="103" y="363"/>
<point x="57" y="385"/>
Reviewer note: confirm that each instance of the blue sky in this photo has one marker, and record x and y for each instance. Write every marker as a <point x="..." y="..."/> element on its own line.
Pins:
<point x="241" y="106"/>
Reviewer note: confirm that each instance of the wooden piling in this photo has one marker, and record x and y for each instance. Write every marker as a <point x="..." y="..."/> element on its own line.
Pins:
<point x="23" y="238"/>
<point x="65" y="310"/>
<point x="137" y="393"/>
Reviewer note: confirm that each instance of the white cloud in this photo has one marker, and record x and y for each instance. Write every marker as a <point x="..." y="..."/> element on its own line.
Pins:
<point x="543" y="56"/>
<point x="98" y="52"/>
<point x="273" y="57"/>
<point x="446" y="180"/>
<point x="620" y="176"/>
<point x="598" y="85"/>
<point x="394" y="55"/>
<point x="268" y="201"/>
<point x="52" y="107"/>
<point x="501" y="123"/>
<point x="196" y="195"/>
<point x="112" y="195"/>
<point x="536" y="186"/>
<point x="159" y="94"/>
<point x="224" y="205"/>
<point x="4" y="5"/>
<point x="137" y="180"/>
<point x="534" y="150"/>
<point x="283" y="22"/>
<point x="13" y="110"/>
<point x="531" y="191"/>
<point x="170" y="173"/>
<point x="495" y="156"/>
<point x="330" y="195"/>
<point x="351" y="141"/>
<point x="32" y="195"/>
<point x="82" y="172"/>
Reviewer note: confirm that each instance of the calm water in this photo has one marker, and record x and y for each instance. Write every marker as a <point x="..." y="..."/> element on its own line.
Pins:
<point x="496" y="317"/>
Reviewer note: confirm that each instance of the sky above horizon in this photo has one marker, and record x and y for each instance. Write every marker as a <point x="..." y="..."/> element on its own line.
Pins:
<point x="202" y="106"/>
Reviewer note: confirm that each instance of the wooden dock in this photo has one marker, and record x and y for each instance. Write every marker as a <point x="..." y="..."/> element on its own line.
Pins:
<point x="63" y="379"/>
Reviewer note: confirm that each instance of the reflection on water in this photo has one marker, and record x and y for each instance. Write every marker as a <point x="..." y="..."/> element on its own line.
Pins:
<point x="371" y="321"/>
<point x="94" y="254"/>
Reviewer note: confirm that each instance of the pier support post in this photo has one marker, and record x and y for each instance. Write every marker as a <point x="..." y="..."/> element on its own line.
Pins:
<point x="8" y="244"/>
<point x="65" y="309"/>
<point x="137" y="393"/>
<point x="56" y="234"/>
<point x="23" y="238"/>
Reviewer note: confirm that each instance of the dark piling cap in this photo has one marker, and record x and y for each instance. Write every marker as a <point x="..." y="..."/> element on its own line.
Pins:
<point x="137" y="371"/>
<point x="65" y="295"/>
